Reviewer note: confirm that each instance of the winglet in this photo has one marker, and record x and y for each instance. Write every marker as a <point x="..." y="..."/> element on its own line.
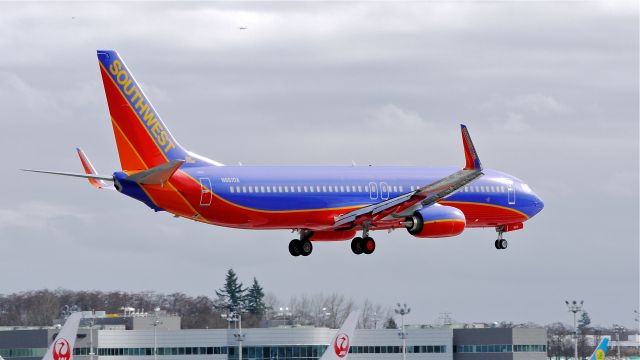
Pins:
<point x="470" y="154"/>
<point x="90" y="170"/>
<point x="601" y="350"/>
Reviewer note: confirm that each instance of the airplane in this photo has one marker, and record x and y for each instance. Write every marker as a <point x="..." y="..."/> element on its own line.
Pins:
<point x="62" y="347"/>
<point x="320" y="203"/>
<point x="601" y="350"/>
<point x="340" y="344"/>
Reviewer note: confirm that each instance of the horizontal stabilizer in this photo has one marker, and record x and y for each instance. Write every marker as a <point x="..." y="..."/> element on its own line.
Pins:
<point x="156" y="175"/>
<point x="86" y="176"/>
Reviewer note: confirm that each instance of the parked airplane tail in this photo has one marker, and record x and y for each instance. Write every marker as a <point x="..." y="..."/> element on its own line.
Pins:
<point x="601" y="350"/>
<point x="62" y="347"/>
<point x="339" y="347"/>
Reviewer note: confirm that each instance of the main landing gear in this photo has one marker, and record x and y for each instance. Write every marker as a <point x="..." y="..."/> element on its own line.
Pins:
<point x="500" y="243"/>
<point x="301" y="246"/>
<point x="364" y="244"/>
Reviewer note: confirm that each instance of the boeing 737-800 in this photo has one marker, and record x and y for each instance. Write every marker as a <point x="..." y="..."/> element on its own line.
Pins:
<point x="322" y="203"/>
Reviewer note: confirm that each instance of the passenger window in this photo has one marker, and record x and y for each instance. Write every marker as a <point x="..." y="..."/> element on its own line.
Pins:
<point x="299" y="188"/>
<point x="324" y="188"/>
<point x="501" y="188"/>
<point x="255" y="188"/>
<point x="318" y="188"/>
<point x="311" y="188"/>
<point x="268" y="188"/>
<point x="244" y="189"/>
<point x="286" y="189"/>
<point x="305" y="188"/>
<point x="279" y="188"/>
<point x="411" y="187"/>
<point x="231" y="189"/>
<point x="353" y="188"/>
<point x="237" y="188"/>
<point x="360" y="188"/>
<point x="400" y="188"/>
<point x="330" y="188"/>
<point x="293" y="189"/>
<point x="395" y="188"/>
<point x="341" y="188"/>
<point x="262" y="189"/>
<point x="250" y="189"/>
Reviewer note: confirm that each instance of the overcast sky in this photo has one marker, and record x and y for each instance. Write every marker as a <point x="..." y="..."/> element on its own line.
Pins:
<point x="549" y="92"/>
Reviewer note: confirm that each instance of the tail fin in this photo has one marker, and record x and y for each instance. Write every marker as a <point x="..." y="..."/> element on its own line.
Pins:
<point x="62" y="347"/>
<point x="143" y="140"/>
<point x="470" y="154"/>
<point x="601" y="350"/>
<point x="339" y="347"/>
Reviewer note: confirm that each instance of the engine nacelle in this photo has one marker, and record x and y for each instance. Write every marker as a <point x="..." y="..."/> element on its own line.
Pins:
<point x="436" y="221"/>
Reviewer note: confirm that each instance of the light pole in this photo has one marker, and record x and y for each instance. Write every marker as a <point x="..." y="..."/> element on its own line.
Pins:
<point x="155" y="324"/>
<point x="91" y="323"/>
<point x="239" y="336"/>
<point x="575" y="308"/>
<point x="402" y="311"/>
<point x="637" y="319"/>
<point x="321" y="316"/>
<point x="618" y="329"/>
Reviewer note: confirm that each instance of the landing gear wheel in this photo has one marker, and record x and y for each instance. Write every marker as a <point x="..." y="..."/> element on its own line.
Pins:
<point x="357" y="246"/>
<point x="503" y="244"/>
<point x="368" y="245"/>
<point x="497" y="244"/>
<point x="295" y="247"/>
<point x="306" y="247"/>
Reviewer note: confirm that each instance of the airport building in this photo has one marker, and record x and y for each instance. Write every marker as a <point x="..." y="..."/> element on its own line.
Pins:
<point x="136" y="339"/>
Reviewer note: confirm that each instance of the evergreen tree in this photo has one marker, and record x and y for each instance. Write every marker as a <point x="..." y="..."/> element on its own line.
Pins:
<point x="254" y="301"/>
<point x="584" y="321"/>
<point x="231" y="296"/>
<point x="390" y="323"/>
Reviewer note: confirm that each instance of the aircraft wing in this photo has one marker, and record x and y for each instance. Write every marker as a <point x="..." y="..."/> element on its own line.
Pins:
<point x="404" y="205"/>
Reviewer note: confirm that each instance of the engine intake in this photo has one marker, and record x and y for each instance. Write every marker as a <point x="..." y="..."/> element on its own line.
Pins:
<point x="436" y="221"/>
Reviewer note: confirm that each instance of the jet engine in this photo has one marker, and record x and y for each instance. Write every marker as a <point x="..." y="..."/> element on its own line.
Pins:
<point x="436" y="221"/>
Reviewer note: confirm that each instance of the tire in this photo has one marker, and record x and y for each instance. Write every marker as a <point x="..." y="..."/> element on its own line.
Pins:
<point x="368" y="245"/>
<point x="294" y="247"/>
<point x="356" y="245"/>
<point x="306" y="248"/>
<point x="503" y="244"/>
<point x="497" y="244"/>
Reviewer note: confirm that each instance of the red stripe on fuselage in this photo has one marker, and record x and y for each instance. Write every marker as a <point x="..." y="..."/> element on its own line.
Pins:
<point x="486" y="215"/>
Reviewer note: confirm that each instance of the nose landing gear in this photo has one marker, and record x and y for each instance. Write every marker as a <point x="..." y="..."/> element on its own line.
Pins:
<point x="500" y="243"/>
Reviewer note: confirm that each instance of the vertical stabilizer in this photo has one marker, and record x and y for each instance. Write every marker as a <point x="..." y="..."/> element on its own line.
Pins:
<point x="143" y="140"/>
<point x="601" y="350"/>
<point x="62" y="346"/>
<point x="339" y="347"/>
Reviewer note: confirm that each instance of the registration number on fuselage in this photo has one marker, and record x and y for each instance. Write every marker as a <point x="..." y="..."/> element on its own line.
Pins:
<point x="230" y="180"/>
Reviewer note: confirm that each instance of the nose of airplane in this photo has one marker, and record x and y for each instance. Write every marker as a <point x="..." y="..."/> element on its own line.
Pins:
<point x="538" y="205"/>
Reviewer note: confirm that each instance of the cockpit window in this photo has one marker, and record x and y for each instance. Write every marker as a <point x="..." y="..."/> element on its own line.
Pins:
<point x="526" y="188"/>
